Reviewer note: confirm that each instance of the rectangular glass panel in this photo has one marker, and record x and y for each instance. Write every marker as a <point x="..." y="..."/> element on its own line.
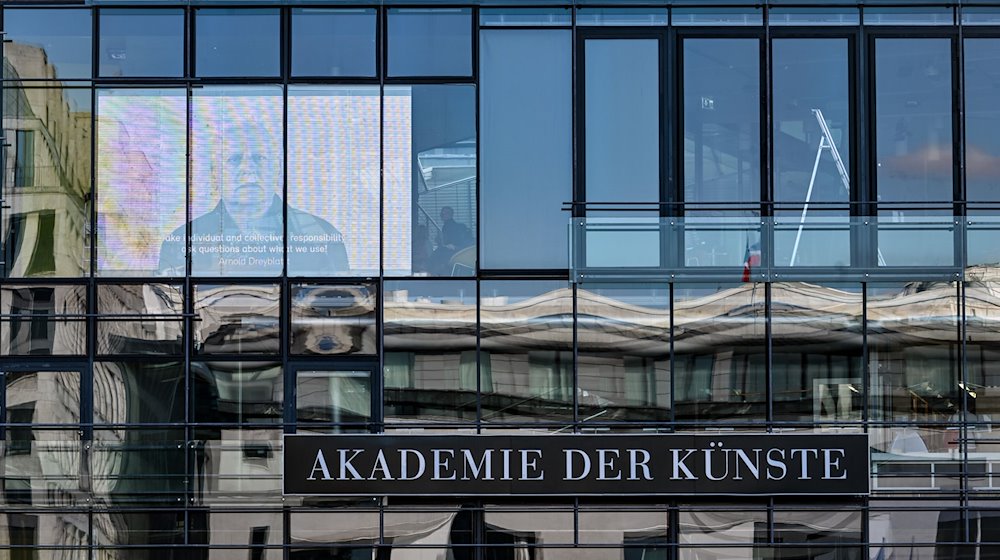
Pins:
<point x="37" y="529"/>
<point x="141" y="43"/>
<point x="138" y="466"/>
<point x="333" y="180"/>
<point x="236" y="182"/>
<point x="913" y="352"/>
<point x="341" y="526"/>
<point x="429" y="197"/>
<point x="41" y="468"/>
<point x="429" y="368"/>
<point x="125" y="528"/>
<point x="816" y="365"/>
<point x="141" y="179"/>
<point x="236" y="392"/>
<point x="721" y="527"/>
<point x="526" y="131"/>
<point x="521" y="528"/>
<point x="621" y="16"/>
<point x="982" y="120"/>
<point x="328" y="42"/>
<point x="225" y="527"/>
<point x="51" y="44"/>
<point x="160" y="333"/>
<point x="138" y="392"/>
<point x="237" y="42"/>
<point x="624" y="526"/>
<point x="46" y="223"/>
<point x="622" y="120"/>
<point x="921" y="15"/>
<point x="542" y="17"/>
<point x="814" y="16"/>
<point x="623" y="370"/>
<point x="526" y="359"/>
<point x="913" y="120"/>
<point x="236" y="319"/>
<point x="982" y="354"/>
<point x="331" y="319"/>
<point x="43" y="320"/>
<point x="430" y="42"/>
<point x="717" y="16"/>
<point x="237" y="466"/>
<point x="719" y="353"/>
<point x="333" y="396"/>
<point x="974" y="15"/>
<point x="42" y="397"/>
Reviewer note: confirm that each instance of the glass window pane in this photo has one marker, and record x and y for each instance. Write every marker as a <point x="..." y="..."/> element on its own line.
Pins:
<point x="526" y="130"/>
<point x="141" y="178"/>
<point x="621" y="16"/>
<point x="237" y="466"/>
<point x="159" y="333"/>
<point x="930" y="15"/>
<point x="622" y="114"/>
<point x="332" y="319"/>
<point x="138" y="466"/>
<point x="719" y="353"/>
<point x="982" y="312"/>
<point x="521" y="528"/>
<point x="722" y="527"/>
<point x="816" y="366"/>
<point x="48" y="146"/>
<point x="913" y="120"/>
<point x="624" y="370"/>
<point x="236" y="183"/>
<point x="236" y="392"/>
<point x="51" y="44"/>
<point x="721" y="120"/>
<point x="430" y="42"/>
<point x="138" y="392"/>
<point x="225" y="527"/>
<point x="329" y="42"/>
<point x="42" y="468"/>
<point x="982" y="120"/>
<point x="43" y="320"/>
<point x="236" y="319"/>
<point x="332" y="396"/>
<point x="526" y="369"/>
<point x="237" y="42"/>
<point x="814" y="16"/>
<point x="913" y="352"/>
<point x="42" y="397"/>
<point x="333" y="180"/>
<point x="60" y="529"/>
<point x="139" y="43"/>
<point x="500" y="17"/>
<point x="429" y="369"/>
<point x="717" y="16"/>
<point x="123" y="528"/>
<point x="430" y="180"/>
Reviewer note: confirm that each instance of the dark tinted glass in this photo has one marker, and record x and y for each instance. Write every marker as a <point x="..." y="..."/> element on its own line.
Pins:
<point x="236" y="392"/>
<point x="332" y="395"/>
<point x="237" y="42"/>
<point x="47" y="204"/>
<point x="47" y="43"/>
<point x="333" y="42"/>
<point x="138" y="393"/>
<point x="622" y="115"/>
<point x="430" y="344"/>
<point x="138" y="466"/>
<point x="526" y="130"/>
<point x="138" y="43"/>
<point x="913" y="128"/>
<point x="430" y="42"/>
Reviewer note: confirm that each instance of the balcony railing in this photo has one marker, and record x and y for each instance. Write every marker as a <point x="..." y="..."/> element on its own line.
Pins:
<point x="891" y="246"/>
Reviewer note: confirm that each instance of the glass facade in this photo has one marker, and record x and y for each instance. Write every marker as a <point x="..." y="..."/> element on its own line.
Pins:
<point x="222" y="223"/>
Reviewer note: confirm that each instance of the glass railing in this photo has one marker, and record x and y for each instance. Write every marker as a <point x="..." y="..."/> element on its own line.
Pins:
<point x="785" y="247"/>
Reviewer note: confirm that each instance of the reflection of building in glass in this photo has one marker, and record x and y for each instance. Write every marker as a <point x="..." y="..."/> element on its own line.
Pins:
<point x="47" y="170"/>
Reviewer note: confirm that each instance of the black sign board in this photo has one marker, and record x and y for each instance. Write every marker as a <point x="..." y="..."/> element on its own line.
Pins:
<point x="574" y="465"/>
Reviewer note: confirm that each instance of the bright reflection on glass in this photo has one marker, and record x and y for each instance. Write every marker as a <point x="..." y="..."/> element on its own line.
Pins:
<point x="236" y="185"/>
<point x="333" y="180"/>
<point x="32" y="323"/>
<point x="333" y="319"/>
<point x="160" y="332"/>
<point x="236" y="392"/>
<point x="42" y="397"/>
<point x="141" y="178"/>
<point x="332" y="396"/>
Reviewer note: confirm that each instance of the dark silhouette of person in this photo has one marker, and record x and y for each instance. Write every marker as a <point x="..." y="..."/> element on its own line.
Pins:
<point x="453" y="237"/>
<point x="244" y="233"/>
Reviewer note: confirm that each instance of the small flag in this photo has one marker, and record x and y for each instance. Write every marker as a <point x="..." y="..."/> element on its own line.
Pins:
<point x="750" y="259"/>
